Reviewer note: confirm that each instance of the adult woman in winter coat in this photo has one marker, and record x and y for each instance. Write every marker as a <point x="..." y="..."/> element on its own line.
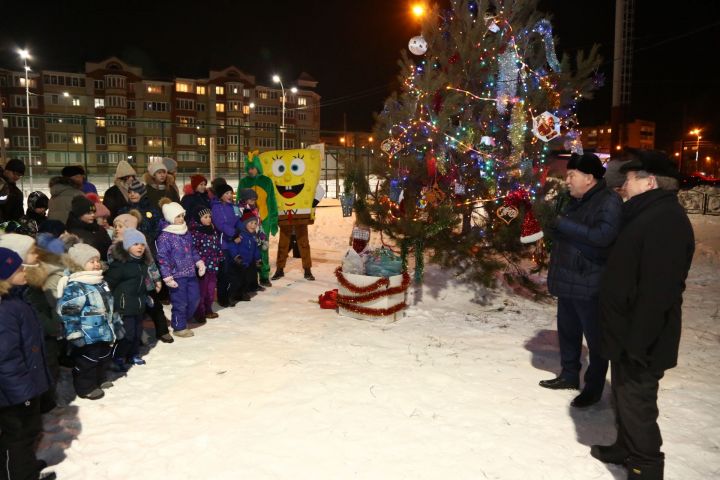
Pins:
<point x="62" y="192"/>
<point x="24" y="376"/>
<point x="81" y="222"/>
<point x="116" y="196"/>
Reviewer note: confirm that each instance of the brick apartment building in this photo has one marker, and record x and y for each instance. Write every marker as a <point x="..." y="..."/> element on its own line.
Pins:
<point x="111" y="112"/>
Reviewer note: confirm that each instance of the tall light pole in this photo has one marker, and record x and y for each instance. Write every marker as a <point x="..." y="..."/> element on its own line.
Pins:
<point x="696" y="132"/>
<point x="277" y="79"/>
<point x="24" y="54"/>
<point x="66" y="97"/>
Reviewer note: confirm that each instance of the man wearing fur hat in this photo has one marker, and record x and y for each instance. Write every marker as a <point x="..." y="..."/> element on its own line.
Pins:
<point x="11" y="208"/>
<point x="582" y="236"/>
<point x="160" y="184"/>
<point x="116" y="196"/>
<point x="641" y="299"/>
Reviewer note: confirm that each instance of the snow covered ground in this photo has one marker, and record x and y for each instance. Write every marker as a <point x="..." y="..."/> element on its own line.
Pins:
<point x="279" y="389"/>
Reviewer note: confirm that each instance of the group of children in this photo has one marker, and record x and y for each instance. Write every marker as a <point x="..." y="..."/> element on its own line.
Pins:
<point x="80" y="292"/>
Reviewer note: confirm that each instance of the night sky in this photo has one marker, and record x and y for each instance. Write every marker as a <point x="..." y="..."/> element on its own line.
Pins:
<point x="352" y="48"/>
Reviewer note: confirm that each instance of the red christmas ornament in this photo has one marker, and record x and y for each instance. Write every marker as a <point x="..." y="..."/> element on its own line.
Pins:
<point x="431" y="163"/>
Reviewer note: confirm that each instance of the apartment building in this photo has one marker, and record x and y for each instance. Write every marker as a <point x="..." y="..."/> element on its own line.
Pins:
<point x="112" y="112"/>
<point x="639" y="134"/>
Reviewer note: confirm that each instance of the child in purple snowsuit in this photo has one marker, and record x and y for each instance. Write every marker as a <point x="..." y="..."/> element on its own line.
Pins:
<point x="177" y="259"/>
<point x="206" y="240"/>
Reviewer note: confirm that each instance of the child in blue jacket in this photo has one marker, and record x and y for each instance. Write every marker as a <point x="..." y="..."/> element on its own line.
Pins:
<point x="85" y="306"/>
<point x="246" y="258"/>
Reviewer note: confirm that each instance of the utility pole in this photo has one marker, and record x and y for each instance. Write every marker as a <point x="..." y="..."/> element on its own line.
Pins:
<point x="3" y="155"/>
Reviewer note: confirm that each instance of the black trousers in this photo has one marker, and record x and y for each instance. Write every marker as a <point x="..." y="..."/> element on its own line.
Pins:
<point x="20" y="427"/>
<point x="91" y="365"/>
<point x="157" y="314"/>
<point x="129" y="346"/>
<point x="635" y="390"/>
<point x="244" y="280"/>
<point x="576" y="318"/>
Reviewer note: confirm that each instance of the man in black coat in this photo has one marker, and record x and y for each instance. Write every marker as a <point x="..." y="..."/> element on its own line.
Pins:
<point x="641" y="299"/>
<point x="12" y="207"/>
<point x="582" y="236"/>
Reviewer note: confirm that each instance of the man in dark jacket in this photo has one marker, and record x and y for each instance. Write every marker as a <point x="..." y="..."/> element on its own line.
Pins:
<point x="641" y="299"/>
<point x="12" y="207"/>
<point x="583" y="234"/>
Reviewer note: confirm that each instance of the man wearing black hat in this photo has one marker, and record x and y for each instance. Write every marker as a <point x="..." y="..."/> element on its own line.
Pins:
<point x="76" y="173"/>
<point x="12" y="207"/>
<point x="640" y="299"/>
<point x="582" y="236"/>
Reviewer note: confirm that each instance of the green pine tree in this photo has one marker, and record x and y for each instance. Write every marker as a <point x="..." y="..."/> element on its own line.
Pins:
<point x="459" y="133"/>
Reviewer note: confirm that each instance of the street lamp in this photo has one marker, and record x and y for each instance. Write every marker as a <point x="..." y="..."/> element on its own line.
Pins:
<point x="276" y="79"/>
<point x="24" y="54"/>
<point x="696" y="132"/>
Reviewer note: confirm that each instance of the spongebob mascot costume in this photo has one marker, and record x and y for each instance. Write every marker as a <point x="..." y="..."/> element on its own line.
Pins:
<point x="296" y="176"/>
<point x="266" y="204"/>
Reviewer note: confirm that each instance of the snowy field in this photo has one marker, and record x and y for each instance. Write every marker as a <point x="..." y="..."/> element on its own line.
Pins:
<point x="279" y="389"/>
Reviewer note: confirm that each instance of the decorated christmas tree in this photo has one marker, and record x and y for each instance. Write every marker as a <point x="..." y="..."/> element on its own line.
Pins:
<point x="464" y="143"/>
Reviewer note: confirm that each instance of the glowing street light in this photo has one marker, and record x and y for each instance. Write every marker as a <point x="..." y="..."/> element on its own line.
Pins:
<point x="418" y="10"/>
<point x="276" y="79"/>
<point x="25" y="55"/>
<point x="696" y="132"/>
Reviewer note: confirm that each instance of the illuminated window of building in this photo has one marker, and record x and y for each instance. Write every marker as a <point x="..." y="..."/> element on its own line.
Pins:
<point x="77" y="139"/>
<point x="182" y="87"/>
<point x="609" y="130"/>
<point x="155" y="89"/>
<point x="302" y="101"/>
<point x="76" y="101"/>
<point x="100" y="122"/>
<point x="219" y="90"/>
<point x="219" y="107"/>
<point x="200" y="90"/>
<point x="202" y="141"/>
<point x="246" y="109"/>
<point x="263" y="95"/>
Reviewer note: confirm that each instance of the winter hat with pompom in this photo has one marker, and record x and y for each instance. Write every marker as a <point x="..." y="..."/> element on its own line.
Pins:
<point x="82" y="253"/>
<point x="50" y="243"/>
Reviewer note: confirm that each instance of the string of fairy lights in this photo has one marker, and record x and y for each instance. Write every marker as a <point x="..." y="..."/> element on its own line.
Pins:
<point x="502" y="161"/>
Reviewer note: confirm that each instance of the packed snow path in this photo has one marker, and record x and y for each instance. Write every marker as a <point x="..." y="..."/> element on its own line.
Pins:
<point x="279" y="389"/>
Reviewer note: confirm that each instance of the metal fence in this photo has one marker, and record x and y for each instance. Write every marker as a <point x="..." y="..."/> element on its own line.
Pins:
<point x="702" y="201"/>
<point x="99" y="143"/>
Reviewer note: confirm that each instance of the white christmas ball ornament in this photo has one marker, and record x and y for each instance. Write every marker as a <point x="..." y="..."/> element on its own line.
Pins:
<point x="417" y="45"/>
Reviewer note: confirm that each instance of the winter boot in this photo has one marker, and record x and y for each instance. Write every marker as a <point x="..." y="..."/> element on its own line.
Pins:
<point x="137" y="360"/>
<point x="212" y="315"/>
<point x="309" y="275"/>
<point x="279" y="273"/>
<point x="200" y="319"/>
<point x="106" y="384"/>
<point x="610" y="453"/>
<point x="585" y="399"/>
<point x="264" y="282"/>
<point x="184" y="333"/>
<point x="645" y="472"/>
<point x="118" y="365"/>
<point x="96" y="394"/>
<point x="167" y="338"/>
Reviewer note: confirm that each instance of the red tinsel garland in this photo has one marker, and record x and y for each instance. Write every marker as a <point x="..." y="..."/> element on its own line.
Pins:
<point x="375" y="312"/>
<point x="371" y="292"/>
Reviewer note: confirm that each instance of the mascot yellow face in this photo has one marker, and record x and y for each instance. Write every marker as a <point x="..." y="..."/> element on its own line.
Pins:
<point x="295" y="173"/>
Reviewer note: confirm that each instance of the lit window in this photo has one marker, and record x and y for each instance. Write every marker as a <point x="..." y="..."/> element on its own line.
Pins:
<point x="202" y="141"/>
<point x="302" y="101"/>
<point x="182" y="87"/>
<point x="219" y="107"/>
<point x="76" y="101"/>
<point x="100" y="122"/>
<point x="609" y="130"/>
<point x="246" y="109"/>
<point x="99" y="103"/>
<point x="200" y="90"/>
<point x="219" y="91"/>
<point x="154" y="89"/>
<point x="77" y="139"/>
